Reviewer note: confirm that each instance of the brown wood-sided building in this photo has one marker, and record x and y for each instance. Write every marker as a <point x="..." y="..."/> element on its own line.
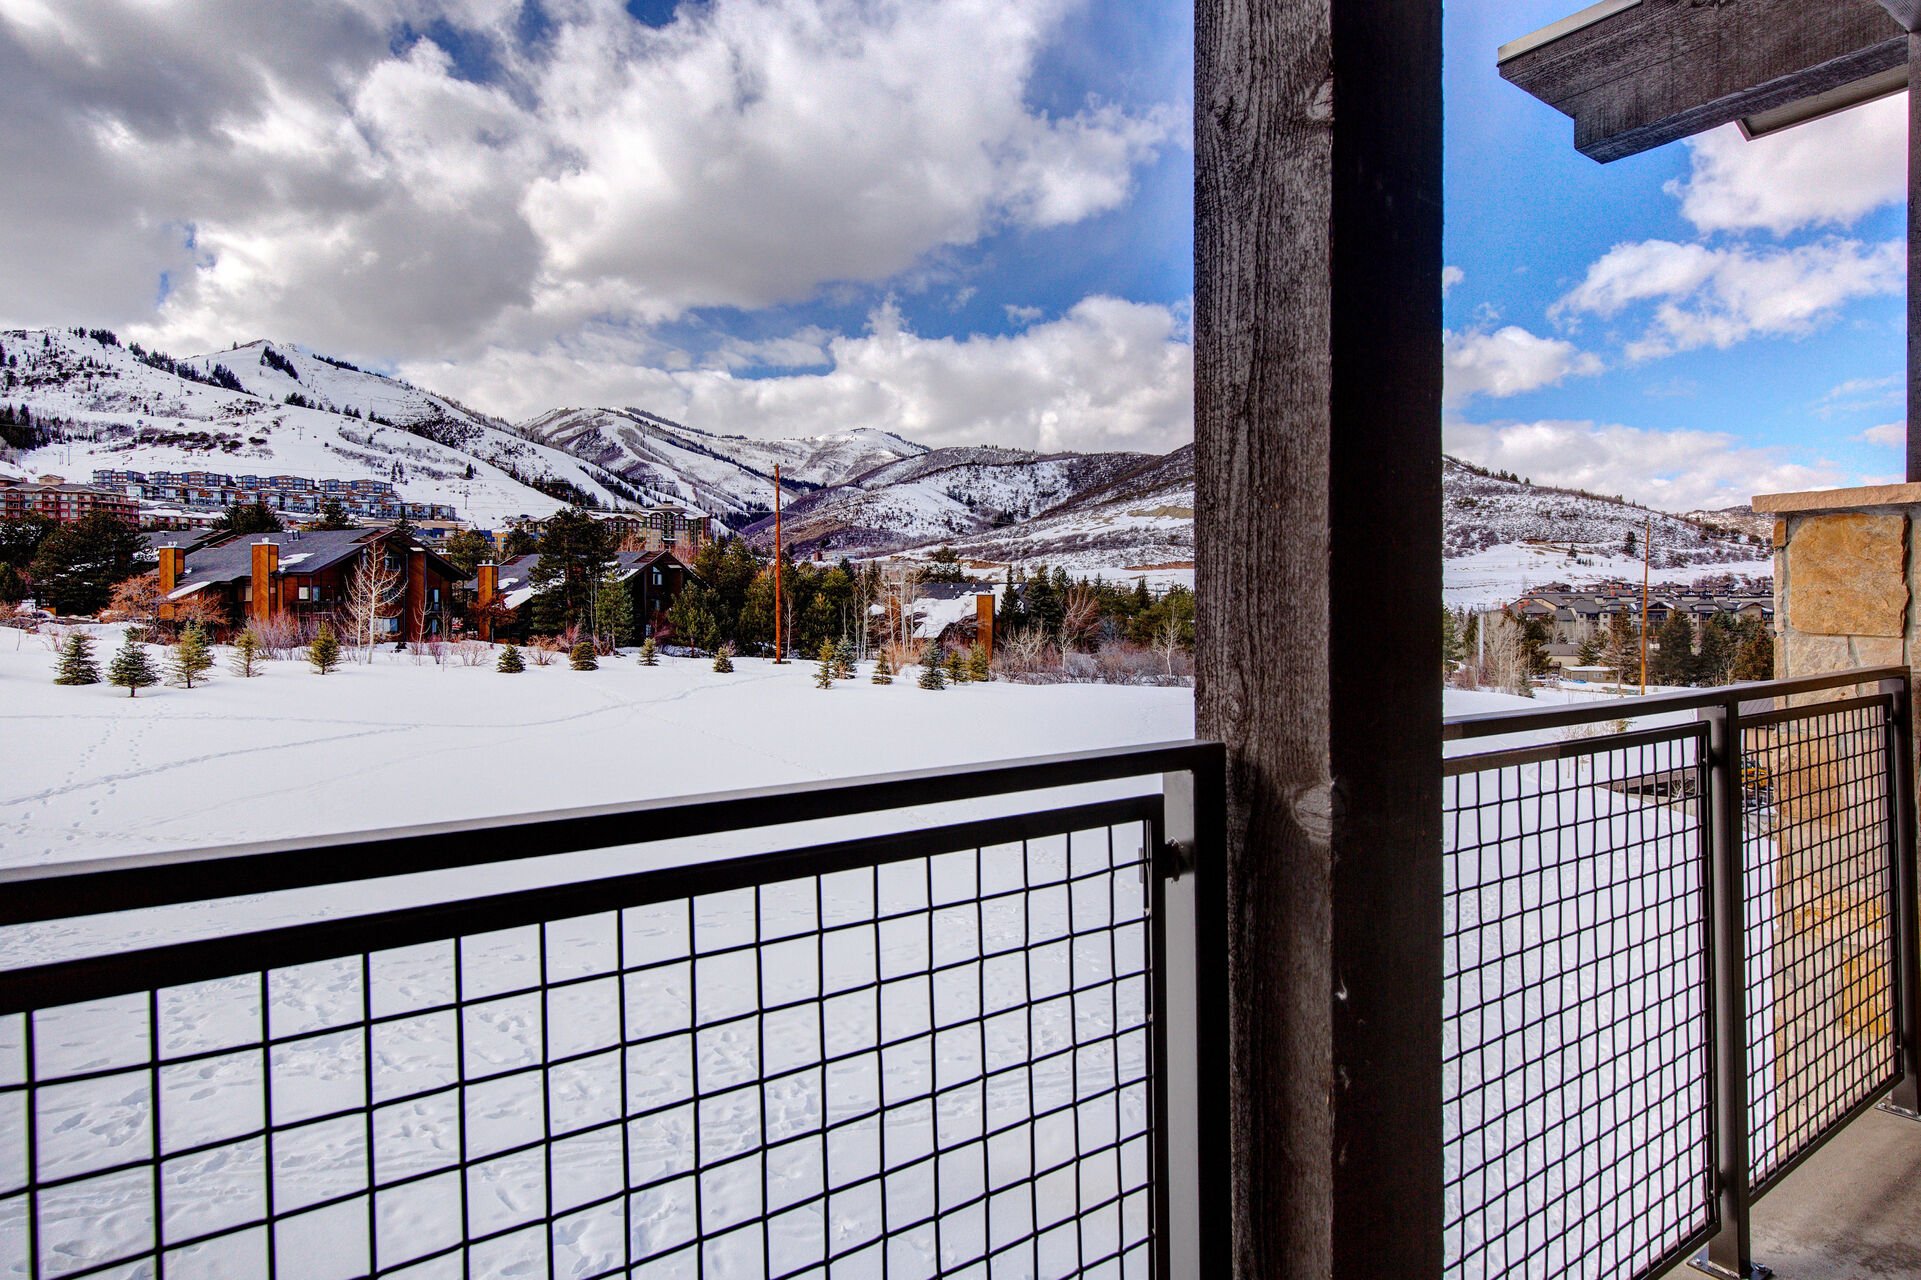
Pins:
<point x="305" y="574"/>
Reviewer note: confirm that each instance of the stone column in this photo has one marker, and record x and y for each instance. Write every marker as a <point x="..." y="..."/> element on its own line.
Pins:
<point x="1844" y="573"/>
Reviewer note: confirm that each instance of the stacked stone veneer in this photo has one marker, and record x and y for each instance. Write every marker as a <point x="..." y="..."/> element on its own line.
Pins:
<point x="1845" y="568"/>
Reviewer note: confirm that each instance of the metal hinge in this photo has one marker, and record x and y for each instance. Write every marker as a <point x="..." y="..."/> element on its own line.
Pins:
<point x="1177" y="857"/>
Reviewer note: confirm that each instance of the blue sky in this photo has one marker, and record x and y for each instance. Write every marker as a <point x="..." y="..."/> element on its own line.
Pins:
<point x="963" y="220"/>
<point x="1785" y="402"/>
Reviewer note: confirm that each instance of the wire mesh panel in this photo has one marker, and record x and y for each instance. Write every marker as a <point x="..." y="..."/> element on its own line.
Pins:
<point x="931" y="1065"/>
<point x="1576" y="1006"/>
<point x="1819" y="940"/>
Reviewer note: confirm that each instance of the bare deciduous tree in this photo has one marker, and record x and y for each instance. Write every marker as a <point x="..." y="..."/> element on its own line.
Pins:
<point x="370" y="597"/>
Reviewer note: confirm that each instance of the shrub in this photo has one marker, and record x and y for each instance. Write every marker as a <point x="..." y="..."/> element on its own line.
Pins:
<point x="724" y="658"/>
<point x="76" y="661"/>
<point x="323" y="651"/>
<point x="581" y="658"/>
<point x="510" y="663"/>
<point x="649" y="656"/>
<point x="247" y="654"/>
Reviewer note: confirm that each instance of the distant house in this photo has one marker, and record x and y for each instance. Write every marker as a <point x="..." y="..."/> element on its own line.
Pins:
<point x="258" y="577"/>
<point x="655" y="580"/>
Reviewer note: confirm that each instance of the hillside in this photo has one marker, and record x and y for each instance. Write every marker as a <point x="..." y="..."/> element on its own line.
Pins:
<point x="99" y="404"/>
<point x="942" y="495"/>
<point x="731" y="477"/>
<point x="278" y="407"/>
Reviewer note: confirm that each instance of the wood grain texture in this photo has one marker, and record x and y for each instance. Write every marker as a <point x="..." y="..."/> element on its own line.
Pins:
<point x="1668" y="69"/>
<point x="1318" y="367"/>
<point x="1913" y="471"/>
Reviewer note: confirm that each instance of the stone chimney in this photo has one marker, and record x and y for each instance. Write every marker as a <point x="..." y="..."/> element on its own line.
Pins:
<point x="414" y="625"/>
<point x="489" y="591"/>
<point x="173" y="563"/>
<point x="266" y="587"/>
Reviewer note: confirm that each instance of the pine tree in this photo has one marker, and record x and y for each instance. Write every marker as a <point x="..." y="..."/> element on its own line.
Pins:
<point x="191" y="657"/>
<point x="930" y="676"/>
<point x="323" y="651"/>
<point x="246" y="654"/>
<point x="980" y="667"/>
<point x="724" y="659"/>
<point x="76" y="661"/>
<point x="131" y="669"/>
<point x="614" y="611"/>
<point x="824" y="675"/>
<point x="843" y="660"/>
<point x="582" y="657"/>
<point x="510" y="662"/>
<point x="883" y="669"/>
<point x="956" y="667"/>
<point x="649" y="656"/>
<point x="1755" y="661"/>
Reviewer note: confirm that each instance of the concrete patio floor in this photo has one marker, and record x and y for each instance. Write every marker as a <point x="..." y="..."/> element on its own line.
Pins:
<point x="1852" y="1212"/>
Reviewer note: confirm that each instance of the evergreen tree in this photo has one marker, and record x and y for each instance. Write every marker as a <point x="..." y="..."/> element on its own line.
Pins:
<point x="333" y="516"/>
<point x="724" y="659"/>
<point x="649" y="657"/>
<point x="930" y="676"/>
<point x="956" y="667"/>
<point x="246" y="654"/>
<point x="323" y="651"/>
<point x="248" y="517"/>
<point x="1714" y="664"/>
<point x="1621" y="651"/>
<point x="77" y="565"/>
<point x="466" y="550"/>
<point x="131" y="669"/>
<point x="1755" y="660"/>
<point x="824" y="675"/>
<point x="979" y="666"/>
<point x="510" y="662"/>
<point x="614" y="611"/>
<point x="1590" y="651"/>
<point x="76" y="661"/>
<point x="191" y="657"/>
<point x="1673" y="662"/>
<point x="1452" y="653"/>
<point x="843" y="659"/>
<point x="13" y="588"/>
<point x="883" y="669"/>
<point x="581" y="658"/>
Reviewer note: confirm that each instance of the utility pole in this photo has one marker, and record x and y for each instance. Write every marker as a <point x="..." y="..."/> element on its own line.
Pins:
<point x="780" y="649"/>
<point x="1647" y="555"/>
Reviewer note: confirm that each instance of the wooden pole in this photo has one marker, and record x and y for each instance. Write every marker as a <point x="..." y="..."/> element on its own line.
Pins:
<point x="780" y="648"/>
<point x="1647" y="554"/>
<point x="1318" y="468"/>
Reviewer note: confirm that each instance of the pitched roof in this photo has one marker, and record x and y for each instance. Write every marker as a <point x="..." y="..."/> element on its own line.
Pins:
<point x="308" y="551"/>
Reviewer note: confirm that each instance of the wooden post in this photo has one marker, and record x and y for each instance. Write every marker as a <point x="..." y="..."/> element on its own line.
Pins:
<point x="1914" y="253"/>
<point x="780" y="650"/>
<point x="1318" y="412"/>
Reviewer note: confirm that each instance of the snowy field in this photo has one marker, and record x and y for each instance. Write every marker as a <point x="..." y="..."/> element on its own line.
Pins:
<point x="87" y="772"/>
<point x="1498" y="574"/>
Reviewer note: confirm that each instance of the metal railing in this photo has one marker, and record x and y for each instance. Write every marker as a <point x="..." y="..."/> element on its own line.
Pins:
<point x="1679" y="957"/>
<point x="942" y="1046"/>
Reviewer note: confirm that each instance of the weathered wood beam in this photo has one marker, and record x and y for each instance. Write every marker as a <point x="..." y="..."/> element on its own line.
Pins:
<point x="1318" y="412"/>
<point x="1668" y="69"/>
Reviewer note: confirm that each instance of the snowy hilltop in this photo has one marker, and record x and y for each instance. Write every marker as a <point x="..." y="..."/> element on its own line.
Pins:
<point x="73" y="402"/>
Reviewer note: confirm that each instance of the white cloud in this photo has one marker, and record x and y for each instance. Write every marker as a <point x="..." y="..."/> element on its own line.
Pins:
<point x="1827" y="172"/>
<point x="1508" y="361"/>
<point x="1894" y="434"/>
<point x="1109" y="374"/>
<point x="1451" y="276"/>
<point x="290" y="173"/>
<point x="1718" y="297"/>
<point x="1673" y="470"/>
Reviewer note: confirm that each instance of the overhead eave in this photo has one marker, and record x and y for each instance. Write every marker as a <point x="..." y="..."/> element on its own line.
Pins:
<point x="1637" y="74"/>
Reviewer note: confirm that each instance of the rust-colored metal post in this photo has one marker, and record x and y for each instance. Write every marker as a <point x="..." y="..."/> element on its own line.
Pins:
<point x="780" y="648"/>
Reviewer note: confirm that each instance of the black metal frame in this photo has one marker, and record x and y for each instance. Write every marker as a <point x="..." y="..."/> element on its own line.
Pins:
<point x="1726" y="715"/>
<point x="29" y="895"/>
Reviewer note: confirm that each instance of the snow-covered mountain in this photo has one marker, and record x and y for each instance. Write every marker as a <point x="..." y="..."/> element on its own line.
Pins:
<point x="731" y="477"/>
<point x="276" y="407"/>
<point x="941" y="495"/>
